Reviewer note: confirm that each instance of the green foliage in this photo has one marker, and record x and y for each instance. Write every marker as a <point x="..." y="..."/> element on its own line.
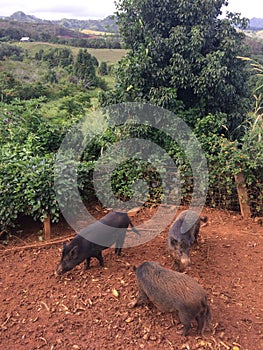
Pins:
<point x="28" y="141"/>
<point x="227" y="158"/>
<point x="84" y="69"/>
<point x="186" y="62"/>
<point x="74" y="106"/>
<point x="21" y="122"/>
<point x="10" y="33"/>
<point x="31" y="131"/>
<point x="57" y="57"/>
<point x="26" y="186"/>
<point x="257" y="81"/>
<point x="51" y="77"/>
<point x="181" y="51"/>
<point x="11" y="89"/>
<point x="103" y="68"/>
<point x="12" y="52"/>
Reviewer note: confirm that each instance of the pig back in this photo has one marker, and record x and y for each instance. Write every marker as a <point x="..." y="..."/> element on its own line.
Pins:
<point x="169" y="290"/>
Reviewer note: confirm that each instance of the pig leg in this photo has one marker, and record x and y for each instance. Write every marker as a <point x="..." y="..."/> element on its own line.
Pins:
<point x="118" y="251"/>
<point x="203" y="319"/>
<point x="200" y="322"/>
<point x="142" y="299"/>
<point x="186" y="329"/>
<point x="119" y="242"/>
<point x="185" y="319"/>
<point x="100" y="258"/>
<point x="196" y="231"/>
<point x="87" y="265"/>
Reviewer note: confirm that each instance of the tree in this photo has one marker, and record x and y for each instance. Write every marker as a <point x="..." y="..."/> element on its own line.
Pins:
<point x="181" y="55"/>
<point x="84" y="69"/>
<point x="103" y="68"/>
<point x="11" y="51"/>
<point x="56" y="57"/>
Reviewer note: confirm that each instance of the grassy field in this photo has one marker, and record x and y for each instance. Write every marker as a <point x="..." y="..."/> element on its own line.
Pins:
<point x="110" y="56"/>
<point x="30" y="70"/>
<point x="260" y="34"/>
<point x="255" y="34"/>
<point x="95" y="32"/>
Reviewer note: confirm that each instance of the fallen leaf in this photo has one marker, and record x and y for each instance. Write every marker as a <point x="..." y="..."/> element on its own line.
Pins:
<point x="115" y="293"/>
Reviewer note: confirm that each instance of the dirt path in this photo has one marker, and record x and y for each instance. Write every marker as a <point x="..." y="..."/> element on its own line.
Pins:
<point x="81" y="310"/>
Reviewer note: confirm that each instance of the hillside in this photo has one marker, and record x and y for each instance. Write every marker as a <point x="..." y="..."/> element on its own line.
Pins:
<point x="41" y="31"/>
<point x="90" y="33"/>
<point x="256" y="24"/>
<point x="107" y="24"/>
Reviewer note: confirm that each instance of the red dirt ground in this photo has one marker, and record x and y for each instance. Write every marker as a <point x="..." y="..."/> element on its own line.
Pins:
<point x="89" y="310"/>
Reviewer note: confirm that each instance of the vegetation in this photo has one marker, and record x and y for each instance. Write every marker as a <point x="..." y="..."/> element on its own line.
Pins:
<point x="179" y="56"/>
<point x="67" y="31"/>
<point x="103" y="68"/>
<point x="36" y="113"/>
<point x="184" y="58"/>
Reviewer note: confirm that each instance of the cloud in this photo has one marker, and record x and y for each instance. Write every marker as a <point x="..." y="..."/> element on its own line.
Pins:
<point x="58" y="9"/>
<point x="249" y="9"/>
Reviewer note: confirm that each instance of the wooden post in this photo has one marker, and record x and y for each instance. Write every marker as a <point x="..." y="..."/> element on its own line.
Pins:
<point x="242" y="195"/>
<point x="47" y="228"/>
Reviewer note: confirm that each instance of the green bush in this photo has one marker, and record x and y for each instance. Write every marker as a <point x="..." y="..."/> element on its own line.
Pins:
<point x="26" y="186"/>
<point x="103" y="68"/>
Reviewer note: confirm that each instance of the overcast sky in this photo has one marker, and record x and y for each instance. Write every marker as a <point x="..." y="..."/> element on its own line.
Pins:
<point x="85" y="9"/>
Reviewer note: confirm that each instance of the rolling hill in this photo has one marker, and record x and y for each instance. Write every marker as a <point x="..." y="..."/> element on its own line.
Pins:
<point x="256" y="24"/>
<point x="107" y="24"/>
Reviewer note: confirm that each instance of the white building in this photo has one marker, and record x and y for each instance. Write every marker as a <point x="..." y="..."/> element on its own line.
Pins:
<point x="25" y="38"/>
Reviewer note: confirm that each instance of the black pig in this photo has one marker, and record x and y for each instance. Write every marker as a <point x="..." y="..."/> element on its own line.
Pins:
<point x="93" y="239"/>
<point x="182" y="235"/>
<point x="172" y="291"/>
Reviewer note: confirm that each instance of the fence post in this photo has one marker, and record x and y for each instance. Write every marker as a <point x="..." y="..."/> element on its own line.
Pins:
<point x="242" y="195"/>
<point x="47" y="228"/>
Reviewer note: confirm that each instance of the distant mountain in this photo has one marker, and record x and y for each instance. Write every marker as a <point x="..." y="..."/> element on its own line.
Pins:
<point x="22" y="17"/>
<point x="255" y="24"/>
<point x="107" y="24"/>
<point x="37" y="31"/>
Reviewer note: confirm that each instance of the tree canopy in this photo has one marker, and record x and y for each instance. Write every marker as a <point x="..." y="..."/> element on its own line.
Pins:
<point x="182" y="55"/>
<point x="84" y="68"/>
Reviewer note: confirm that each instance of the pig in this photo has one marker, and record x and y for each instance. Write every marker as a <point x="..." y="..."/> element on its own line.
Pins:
<point x="93" y="239"/>
<point x="182" y="235"/>
<point x="172" y="291"/>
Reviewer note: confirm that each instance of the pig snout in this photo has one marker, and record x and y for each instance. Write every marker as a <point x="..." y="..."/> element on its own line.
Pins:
<point x="59" y="270"/>
<point x="184" y="262"/>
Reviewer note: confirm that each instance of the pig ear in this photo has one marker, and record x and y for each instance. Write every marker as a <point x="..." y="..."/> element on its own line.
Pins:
<point x="74" y="252"/>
